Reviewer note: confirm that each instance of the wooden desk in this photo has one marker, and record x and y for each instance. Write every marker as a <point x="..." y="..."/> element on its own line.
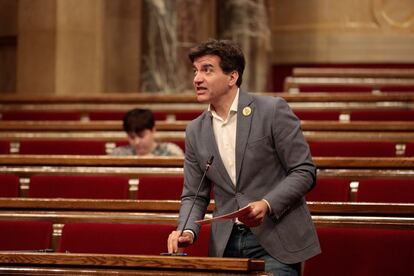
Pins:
<point x="103" y="264"/>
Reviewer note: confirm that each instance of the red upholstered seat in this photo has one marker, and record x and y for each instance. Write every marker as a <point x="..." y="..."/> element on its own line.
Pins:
<point x="4" y="147"/>
<point x="25" y="235"/>
<point x="363" y="251"/>
<point x="409" y="149"/>
<point x="330" y="115"/>
<point x="79" y="186"/>
<point x="397" y="88"/>
<point x="334" y="88"/>
<point x="78" y="147"/>
<point x="330" y="189"/>
<point x="23" y="115"/>
<point x="353" y="148"/>
<point x="382" y="115"/>
<point x="9" y="185"/>
<point x="386" y="190"/>
<point x="187" y="115"/>
<point x="178" y="142"/>
<point x="119" y="115"/>
<point x="160" y="187"/>
<point x="111" y="238"/>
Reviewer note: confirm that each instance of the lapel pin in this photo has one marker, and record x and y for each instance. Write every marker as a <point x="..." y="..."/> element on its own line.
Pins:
<point x="247" y="111"/>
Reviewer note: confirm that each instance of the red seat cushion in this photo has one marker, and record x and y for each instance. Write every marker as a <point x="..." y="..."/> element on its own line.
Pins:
<point x="397" y="88"/>
<point x="330" y="115"/>
<point x="143" y="239"/>
<point x="9" y="185"/>
<point x="330" y="189"/>
<point x="79" y="186"/>
<point x="4" y="147"/>
<point x="334" y="88"/>
<point x="77" y="147"/>
<point x="386" y="190"/>
<point x="382" y="115"/>
<point x="160" y="187"/>
<point x="409" y="149"/>
<point x="353" y="148"/>
<point x="119" y="115"/>
<point x="41" y="115"/>
<point x="187" y="115"/>
<point x="363" y="251"/>
<point x="25" y="235"/>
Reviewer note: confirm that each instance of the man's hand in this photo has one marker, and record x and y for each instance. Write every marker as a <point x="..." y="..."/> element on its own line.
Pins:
<point x="257" y="213"/>
<point x="177" y="241"/>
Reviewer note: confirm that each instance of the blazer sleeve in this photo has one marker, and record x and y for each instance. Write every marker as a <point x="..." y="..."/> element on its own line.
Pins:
<point x="293" y="154"/>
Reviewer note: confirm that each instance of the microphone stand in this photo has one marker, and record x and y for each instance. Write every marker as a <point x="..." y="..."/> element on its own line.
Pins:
<point x="208" y="164"/>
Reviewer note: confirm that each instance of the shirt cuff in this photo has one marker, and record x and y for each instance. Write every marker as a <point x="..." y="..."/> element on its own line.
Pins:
<point x="268" y="205"/>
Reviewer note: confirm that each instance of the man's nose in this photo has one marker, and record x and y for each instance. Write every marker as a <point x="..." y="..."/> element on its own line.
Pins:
<point x="198" y="78"/>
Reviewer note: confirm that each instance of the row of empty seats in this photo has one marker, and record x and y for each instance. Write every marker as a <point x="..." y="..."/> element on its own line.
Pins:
<point x="102" y="147"/>
<point x="360" y="114"/>
<point x="371" y="189"/>
<point x="109" y="238"/>
<point x="93" y="186"/>
<point x="345" y="251"/>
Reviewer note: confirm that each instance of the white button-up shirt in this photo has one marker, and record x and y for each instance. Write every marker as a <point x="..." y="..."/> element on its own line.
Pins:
<point x="225" y="134"/>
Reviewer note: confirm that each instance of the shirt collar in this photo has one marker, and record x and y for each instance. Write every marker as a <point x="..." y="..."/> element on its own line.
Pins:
<point x="233" y="107"/>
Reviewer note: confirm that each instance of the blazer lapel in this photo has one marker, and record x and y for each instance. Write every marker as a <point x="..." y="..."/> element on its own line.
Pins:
<point x="245" y="112"/>
<point x="213" y="148"/>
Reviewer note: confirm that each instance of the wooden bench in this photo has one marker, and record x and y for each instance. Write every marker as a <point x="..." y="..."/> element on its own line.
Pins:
<point x="59" y="218"/>
<point x="353" y="72"/>
<point x="186" y="98"/>
<point x="115" y="126"/>
<point x="102" y="142"/>
<point x="339" y="84"/>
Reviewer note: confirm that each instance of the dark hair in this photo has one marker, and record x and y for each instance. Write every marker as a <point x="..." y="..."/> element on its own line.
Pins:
<point x="230" y="53"/>
<point x="137" y="120"/>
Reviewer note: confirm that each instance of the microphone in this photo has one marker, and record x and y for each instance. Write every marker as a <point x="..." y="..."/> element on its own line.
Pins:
<point x="208" y="164"/>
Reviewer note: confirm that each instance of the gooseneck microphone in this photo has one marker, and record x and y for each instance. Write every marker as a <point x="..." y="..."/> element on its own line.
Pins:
<point x="208" y="164"/>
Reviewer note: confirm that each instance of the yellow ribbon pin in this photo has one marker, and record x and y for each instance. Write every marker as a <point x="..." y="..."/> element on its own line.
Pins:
<point x="247" y="111"/>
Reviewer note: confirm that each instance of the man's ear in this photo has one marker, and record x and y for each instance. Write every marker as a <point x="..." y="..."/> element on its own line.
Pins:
<point x="233" y="77"/>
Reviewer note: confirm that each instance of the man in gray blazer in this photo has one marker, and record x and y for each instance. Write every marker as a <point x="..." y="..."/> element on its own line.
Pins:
<point x="261" y="159"/>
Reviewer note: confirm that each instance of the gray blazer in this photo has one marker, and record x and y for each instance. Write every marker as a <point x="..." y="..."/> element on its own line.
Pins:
<point x="273" y="162"/>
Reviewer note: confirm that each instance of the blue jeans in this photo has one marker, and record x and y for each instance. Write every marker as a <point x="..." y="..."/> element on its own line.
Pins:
<point x="243" y="244"/>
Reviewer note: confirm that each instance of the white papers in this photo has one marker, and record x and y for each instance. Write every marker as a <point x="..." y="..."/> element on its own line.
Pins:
<point x="239" y="213"/>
